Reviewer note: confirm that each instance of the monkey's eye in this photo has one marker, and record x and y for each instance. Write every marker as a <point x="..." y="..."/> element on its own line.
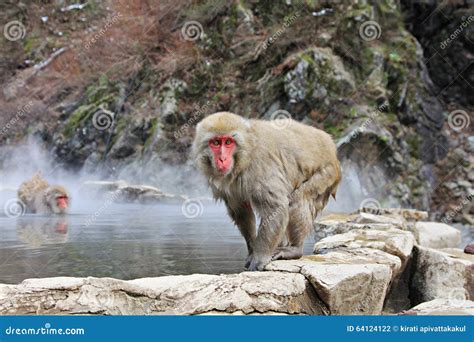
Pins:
<point x="216" y="142"/>
<point x="228" y="142"/>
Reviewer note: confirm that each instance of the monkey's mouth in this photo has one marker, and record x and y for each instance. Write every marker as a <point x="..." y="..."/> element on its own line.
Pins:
<point x="62" y="202"/>
<point x="223" y="167"/>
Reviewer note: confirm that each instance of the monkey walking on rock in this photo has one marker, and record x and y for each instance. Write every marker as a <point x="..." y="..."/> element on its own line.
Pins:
<point x="41" y="198"/>
<point x="283" y="174"/>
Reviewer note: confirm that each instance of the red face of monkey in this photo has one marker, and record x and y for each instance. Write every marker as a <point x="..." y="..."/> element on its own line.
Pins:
<point x="57" y="199"/>
<point x="223" y="148"/>
<point x="62" y="202"/>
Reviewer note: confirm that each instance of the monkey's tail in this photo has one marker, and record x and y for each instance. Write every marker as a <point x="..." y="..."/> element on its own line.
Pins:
<point x="337" y="181"/>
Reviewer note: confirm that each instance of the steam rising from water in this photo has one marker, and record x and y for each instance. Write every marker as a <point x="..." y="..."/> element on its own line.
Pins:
<point x="354" y="191"/>
<point x="20" y="162"/>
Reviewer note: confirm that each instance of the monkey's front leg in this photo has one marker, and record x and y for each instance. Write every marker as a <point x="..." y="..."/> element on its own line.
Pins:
<point x="271" y="231"/>
<point x="244" y="218"/>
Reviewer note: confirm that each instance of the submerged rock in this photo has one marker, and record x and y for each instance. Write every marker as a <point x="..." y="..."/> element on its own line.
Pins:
<point x="121" y="191"/>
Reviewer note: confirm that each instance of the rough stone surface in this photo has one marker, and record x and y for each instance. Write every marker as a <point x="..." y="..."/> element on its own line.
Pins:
<point x="318" y="72"/>
<point x="396" y="221"/>
<point x="347" y="289"/>
<point x="393" y="241"/>
<point x="331" y="225"/>
<point x="436" y="235"/>
<point x="445" y="274"/>
<point x="359" y="256"/>
<point x="407" y="214"/>
<point x="443" y="307"/>
<point x="248" y="292"/>
<point x="375" y="243"/>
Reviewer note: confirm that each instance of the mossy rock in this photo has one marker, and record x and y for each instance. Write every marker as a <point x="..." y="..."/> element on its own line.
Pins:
<point x="96" y="96"/>
<point x="318" y="75"/>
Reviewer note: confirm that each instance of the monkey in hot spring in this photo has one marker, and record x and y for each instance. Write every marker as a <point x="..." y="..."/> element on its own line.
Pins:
<point x="38" y="196"/>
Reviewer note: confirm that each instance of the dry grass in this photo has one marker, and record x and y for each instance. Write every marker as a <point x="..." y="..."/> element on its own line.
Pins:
<point x="118" y="39"/>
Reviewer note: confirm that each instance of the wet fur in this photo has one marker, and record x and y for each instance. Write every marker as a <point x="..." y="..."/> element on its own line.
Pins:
<point x="40" y="197"/>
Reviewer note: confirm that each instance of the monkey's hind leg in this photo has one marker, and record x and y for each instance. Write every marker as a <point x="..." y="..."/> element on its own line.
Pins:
<point x="298" y="227"/>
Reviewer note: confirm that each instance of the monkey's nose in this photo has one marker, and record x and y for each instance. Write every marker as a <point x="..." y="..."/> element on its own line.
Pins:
<point x="222" y="159"/>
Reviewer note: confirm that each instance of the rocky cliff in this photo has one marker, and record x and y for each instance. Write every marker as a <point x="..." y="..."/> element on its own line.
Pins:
<point x="106" y="92"/>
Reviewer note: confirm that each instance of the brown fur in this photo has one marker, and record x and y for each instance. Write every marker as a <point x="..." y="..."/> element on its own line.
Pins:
<point x="40" y="197"/>
<point x="285" y="175"/>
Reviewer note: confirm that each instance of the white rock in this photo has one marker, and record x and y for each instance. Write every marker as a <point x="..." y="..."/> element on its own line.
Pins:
<point x="395" y="221"/>
<point x="436" y="235"/>
<point x="444" y="307"/>
<point x="442" y="274"/>
<point x="248" y="292"/>
<point x="393" y="241"/>
<point x="407" y="214"/>
<point x="347" y="289"/>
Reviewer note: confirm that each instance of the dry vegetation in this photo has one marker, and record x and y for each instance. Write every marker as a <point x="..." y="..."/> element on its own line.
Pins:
<point x="124" y="40"/>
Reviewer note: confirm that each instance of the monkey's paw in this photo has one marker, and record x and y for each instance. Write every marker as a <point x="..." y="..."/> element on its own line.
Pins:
<point x="258" y="263"/>
<point x="248" y="261"/>
<point x="287" y="253"/>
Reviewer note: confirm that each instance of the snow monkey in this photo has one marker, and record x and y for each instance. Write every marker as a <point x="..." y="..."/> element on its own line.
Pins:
<point x="40" y="197"/>
<point x="283" y="174"/>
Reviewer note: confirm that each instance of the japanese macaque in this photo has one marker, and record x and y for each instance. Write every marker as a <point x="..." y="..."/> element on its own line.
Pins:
<point x="283" y="174"/>
<point x="40" y="197"/>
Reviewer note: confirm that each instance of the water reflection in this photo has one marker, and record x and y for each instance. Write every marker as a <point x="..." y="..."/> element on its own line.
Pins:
<point x="38" y="231"/>
<point x="124" y="241"/>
